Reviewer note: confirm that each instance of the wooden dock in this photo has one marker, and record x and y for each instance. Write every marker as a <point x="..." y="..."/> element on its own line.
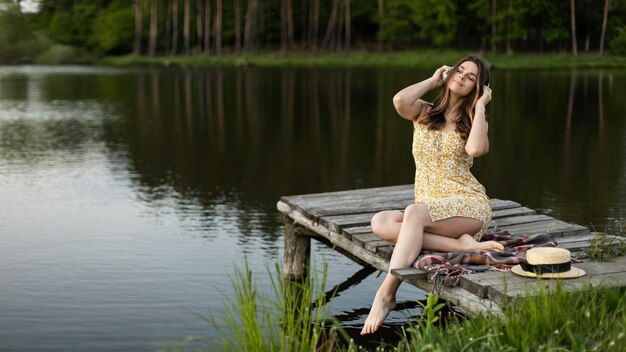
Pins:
<point x="342" y="220"/>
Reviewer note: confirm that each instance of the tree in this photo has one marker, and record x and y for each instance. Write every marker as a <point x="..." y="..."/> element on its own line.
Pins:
<point x="174" y="27"/>
<point x="573" y="22"/>
<point x="153" y="28"/>
<point x="346" y="46"/>
<point x="186" y="23"/>
<point x="250" y="26"/>
<point x="237" y="24"/>
<point x="138" y="28"/>
<point x="381" y="15"/>
<point x="207" y="26"/>
<point x="436" y="20"/>
<point x="604" y="18"/>
<point x="314" y="24"/>
<point x="218" y="27"/>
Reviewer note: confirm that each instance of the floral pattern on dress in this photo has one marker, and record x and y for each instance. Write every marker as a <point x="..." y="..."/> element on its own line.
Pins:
<point x="443" y="181"/>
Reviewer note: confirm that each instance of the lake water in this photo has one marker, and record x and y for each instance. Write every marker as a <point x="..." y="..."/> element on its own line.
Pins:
<point x="128" y="196"/>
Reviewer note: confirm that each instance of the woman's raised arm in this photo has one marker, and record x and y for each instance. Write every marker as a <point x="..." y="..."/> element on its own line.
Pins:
<point x="407" y="101"/>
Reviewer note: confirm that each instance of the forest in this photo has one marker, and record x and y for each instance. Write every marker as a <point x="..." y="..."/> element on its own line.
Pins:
<point x="60" y="31"/>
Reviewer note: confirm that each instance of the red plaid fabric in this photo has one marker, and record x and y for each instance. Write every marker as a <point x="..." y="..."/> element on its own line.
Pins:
<point x="447" y="267"/>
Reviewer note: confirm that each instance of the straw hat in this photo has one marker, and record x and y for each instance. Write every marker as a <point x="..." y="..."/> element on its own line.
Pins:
<point x="548" y="262"/>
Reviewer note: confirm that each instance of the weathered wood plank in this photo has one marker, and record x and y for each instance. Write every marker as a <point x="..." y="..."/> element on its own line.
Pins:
<point x="363" y="206"/>
<point x="517" y="211"/>
<point x="374" y="245"/>
<point x="409" y="273"/>
<point x="347" y="194"/>
<point x="362" y="238"/>
<point x="517" y="220"/>
<point x="338" y="222"/>
<point x="351" y="231"/>
<point x="556" y="228"/>
<point x="499" y="204"/>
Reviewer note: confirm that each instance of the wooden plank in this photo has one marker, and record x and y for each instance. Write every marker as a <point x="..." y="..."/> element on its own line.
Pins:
<point x="499" y="204"/>
<point x="360" y="239"/>
<point x="385" y="252"/>
<point x="409" y="273"/>
<point x="516" y="220"/>
<point x="373" y="245"/>
<point x="556" y="228"/>
<point x="363" y="238"/>
<point x="347" y="194"/>
<point x="517" y="211"/>
<point x="337" y="222"/>
<point x="351" y="231"/>
<point x="363" y="206"/>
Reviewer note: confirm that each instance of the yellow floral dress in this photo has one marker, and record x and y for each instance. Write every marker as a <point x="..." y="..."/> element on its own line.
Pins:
<point x="443" y="181"/>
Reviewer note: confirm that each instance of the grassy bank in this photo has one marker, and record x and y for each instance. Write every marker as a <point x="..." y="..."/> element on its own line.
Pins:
<point x="409" y="59"/>
<point x="551" y="321"/>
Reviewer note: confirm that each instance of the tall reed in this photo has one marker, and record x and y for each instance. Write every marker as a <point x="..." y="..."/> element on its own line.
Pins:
<point x="292" y="317"/>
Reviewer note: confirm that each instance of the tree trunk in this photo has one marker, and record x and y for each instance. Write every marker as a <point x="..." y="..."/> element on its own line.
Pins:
<point x="573" y="21"/>
<point x="381" y="14"/>
<point x="509" y="16"/>
<point x="218" y="27"/>
<point x="207" y="26"/>
<point x="153" y="28"/>
<point x="290" y="38"/>
<point x="330" y="29"/>
<point x="174" y="27"/>
<point x="168" y="28"/>
<point x="199" y="26"/>
<point x="283" y="27"/>
<point x="237" y="26"/>
<point x="186" y="21"/>
<point x="314" y="19"/>
<point x="346" y="46"/>
<point x="606" y="13"/>
<point x="249" y="30"/>
<point x="493" y="25"/>
<point x="138" y="27"/>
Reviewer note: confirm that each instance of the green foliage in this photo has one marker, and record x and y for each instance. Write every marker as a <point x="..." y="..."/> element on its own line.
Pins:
<point x="113" y="28"/>
<point x="608" y="244"/>
<point x="436" y="20"/>
<point x="594" y="319"/>
<point x="17" y="42"/>
<point x="286" y="320"/>
<point x="618" y="44"/>
<point x="397" y="25"/>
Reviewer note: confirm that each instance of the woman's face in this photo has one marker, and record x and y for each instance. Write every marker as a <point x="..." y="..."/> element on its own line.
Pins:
<point x="463" y="81"/>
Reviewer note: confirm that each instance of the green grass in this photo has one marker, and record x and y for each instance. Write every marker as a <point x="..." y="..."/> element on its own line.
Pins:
<point x="287" y="320"/>
<point x="407" y="59"/>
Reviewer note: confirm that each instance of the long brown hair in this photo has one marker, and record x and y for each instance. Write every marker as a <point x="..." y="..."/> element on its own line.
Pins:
<point x="434" y="118"/>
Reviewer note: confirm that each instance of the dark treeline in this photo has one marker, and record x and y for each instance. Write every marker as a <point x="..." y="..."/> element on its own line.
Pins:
<point x="216" y="27"/>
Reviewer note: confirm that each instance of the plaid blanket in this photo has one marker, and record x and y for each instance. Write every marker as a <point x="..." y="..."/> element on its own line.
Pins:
<point x="447" y="267"/>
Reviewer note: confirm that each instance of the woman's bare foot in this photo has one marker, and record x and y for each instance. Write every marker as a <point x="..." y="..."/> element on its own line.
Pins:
<point x="468" y="243"/>
<point x="378" y="313"/>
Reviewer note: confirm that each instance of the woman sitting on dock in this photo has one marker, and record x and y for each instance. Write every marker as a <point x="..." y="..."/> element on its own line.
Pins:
<point x="451" y="210"/>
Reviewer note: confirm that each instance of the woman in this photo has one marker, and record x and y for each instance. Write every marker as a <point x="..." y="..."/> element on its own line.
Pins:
<point x="451" y="210"/>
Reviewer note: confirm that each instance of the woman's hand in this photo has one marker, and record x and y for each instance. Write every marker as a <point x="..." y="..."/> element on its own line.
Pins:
<point x="437" y="76"/>
<point x="485" y="98"/>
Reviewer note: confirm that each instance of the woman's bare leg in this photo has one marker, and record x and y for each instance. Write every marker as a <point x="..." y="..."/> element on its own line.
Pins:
<point x="415" y="221"/>
<point x="386" y="225"/>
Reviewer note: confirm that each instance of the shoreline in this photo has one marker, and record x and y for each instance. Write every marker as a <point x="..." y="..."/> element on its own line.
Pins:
<point x="357" y="59"/>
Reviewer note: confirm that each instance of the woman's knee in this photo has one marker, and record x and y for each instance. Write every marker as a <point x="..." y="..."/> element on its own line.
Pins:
<point x="417" y="212"/>
<point x="380" y="222"/>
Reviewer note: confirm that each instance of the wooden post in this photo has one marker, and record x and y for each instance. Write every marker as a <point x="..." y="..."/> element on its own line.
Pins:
<point x="297" y="253"/>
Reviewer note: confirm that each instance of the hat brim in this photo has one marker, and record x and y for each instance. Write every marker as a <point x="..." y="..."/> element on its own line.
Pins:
<point x="572" y="273"/>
